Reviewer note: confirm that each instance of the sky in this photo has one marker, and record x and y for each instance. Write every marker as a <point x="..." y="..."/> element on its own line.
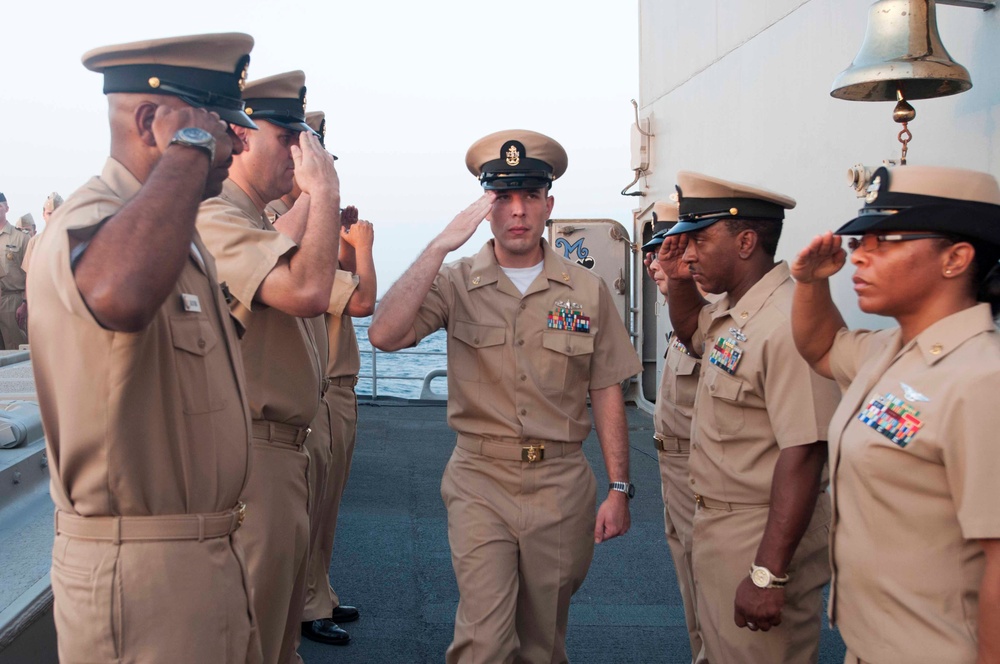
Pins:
<point x="406" y="86"/>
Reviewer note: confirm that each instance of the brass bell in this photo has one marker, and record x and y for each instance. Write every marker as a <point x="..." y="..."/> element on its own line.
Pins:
<point x="902" y="55"/>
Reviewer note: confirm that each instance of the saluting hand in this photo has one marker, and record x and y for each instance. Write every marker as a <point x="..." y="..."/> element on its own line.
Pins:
<point x="361" y="234"/>
<point x="461" y="228"/>
<point x="167" y="121"/>
<point x="348" y="217"/>
<point x="823" y="258"/>
<point x="314" y="169"/>
<point x="670" y="257"/>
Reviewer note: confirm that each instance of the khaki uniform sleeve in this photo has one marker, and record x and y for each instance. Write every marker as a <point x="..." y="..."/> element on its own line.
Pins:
<point x="799" y="402"/>
<point x="971" y="457"/>
<point x="344" y="285"/>
<point x="849" y="350"/>
<point x="30" y="249"/>
<point x="433" y="312"/>
<point x="614" y="357"/>
<point x="81" y="220"/>
<point x="701" y="333"/>
<point x="244" y="254"/>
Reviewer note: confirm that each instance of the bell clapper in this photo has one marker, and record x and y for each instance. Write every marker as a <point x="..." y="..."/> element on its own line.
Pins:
<point x="903" y="114"/>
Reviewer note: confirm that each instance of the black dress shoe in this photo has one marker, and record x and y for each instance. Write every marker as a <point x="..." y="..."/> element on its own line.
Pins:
<point x="325" y="631"/>
<point x="345" y="614"/>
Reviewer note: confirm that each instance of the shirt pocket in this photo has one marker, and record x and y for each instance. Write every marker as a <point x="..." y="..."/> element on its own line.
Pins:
<point x="194" y="340"/>
<point x="682" y="383"/>
<point x="478" y="355"/>
<point x="565" y="361"/>
<point x="725" y="391"/>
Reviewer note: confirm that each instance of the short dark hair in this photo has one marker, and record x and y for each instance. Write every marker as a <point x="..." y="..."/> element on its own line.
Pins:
<point x="3" y="199"/>
<point x="768" y="231"/>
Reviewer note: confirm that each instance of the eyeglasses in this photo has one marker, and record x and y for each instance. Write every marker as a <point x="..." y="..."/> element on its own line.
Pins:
<point x="872" y="242"/>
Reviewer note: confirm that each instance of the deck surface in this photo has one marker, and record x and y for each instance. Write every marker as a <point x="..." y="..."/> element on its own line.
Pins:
<point x="391" y="557"/>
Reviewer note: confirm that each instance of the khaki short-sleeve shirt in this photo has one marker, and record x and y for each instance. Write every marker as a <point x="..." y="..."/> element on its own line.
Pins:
<point x="13" y="244"/>
<point x="279" y="350"/>
<point x="144" y="423"/>
<point x="678" y="387"/>
<point x="756" y="395"/>
<point x="914" y="457"/>
<point x="521" y="366"/>
<point x="345" y="359"/>
<point x="335" y="340"/>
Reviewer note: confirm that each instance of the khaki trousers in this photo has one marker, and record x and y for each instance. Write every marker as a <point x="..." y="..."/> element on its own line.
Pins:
<point x="725" y="543"/>
<point x="147" y="602"/>
<point x="13" y="336"/>
<point x="341" y="415"/>
<point x="678" y="516"/>
<point x="522" y="538"/>
<point x="275" y="537"/>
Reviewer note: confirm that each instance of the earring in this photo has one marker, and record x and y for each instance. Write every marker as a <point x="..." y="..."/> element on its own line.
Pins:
<point x="947" y="273"/>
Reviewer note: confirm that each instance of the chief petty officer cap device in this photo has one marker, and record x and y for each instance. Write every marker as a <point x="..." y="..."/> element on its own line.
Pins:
<point x="279" y="99"/>
<point x="516" y="159"/>
<point x="704" y="200"/>
<point x="930" y="198"/>
<point x="206" y="71"/>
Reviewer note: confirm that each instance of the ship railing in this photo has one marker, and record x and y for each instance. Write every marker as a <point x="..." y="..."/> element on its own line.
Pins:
<point x="425" y="390"/>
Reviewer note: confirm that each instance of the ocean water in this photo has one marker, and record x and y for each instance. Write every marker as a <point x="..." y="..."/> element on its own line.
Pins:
<point x="401" y="374"/>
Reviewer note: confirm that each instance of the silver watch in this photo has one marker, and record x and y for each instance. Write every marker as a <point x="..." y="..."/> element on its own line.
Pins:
<point x="625" y="487"/>
<point x="196" y="138"/>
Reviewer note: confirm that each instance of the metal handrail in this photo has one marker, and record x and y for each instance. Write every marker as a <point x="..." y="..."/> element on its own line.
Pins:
<point x="375" y="352"/>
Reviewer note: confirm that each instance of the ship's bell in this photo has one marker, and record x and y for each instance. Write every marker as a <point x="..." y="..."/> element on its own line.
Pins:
<point x="902" y="52"/>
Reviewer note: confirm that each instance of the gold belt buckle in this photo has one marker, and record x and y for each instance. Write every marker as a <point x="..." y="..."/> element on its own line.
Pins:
<point x="699" y="501"/>
<point x="533" y="453"/>
<point x="241" y="513"/>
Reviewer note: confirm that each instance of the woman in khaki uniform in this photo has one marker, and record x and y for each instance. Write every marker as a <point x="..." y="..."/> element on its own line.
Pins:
<point x="913" y="453"/>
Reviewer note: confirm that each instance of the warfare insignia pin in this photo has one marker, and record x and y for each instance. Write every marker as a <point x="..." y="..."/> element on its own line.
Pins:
<point x="513" y="156"/>
<point x="911" y="394"/>
<point x="737" y="334"/>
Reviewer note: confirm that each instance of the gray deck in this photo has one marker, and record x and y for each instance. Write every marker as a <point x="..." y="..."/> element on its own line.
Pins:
<point x="392" y="561"/>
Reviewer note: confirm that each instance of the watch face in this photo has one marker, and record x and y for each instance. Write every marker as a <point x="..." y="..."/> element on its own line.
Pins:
<point x="760" y="577"/>
<point x="195" y="135"/>
<point x="631" y="491"/>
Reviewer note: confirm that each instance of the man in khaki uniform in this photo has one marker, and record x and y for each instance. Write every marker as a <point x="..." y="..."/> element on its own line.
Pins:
<point x="672" y="422"/>
<point x="13" y="243"/>
<point x="331" y="443"/>
<point x="759" y="430"/>
<point x="53" y="201"/>
<point x="276" y="281"/>
<point x="529" y="336"/>
<point x="140" y="381"/>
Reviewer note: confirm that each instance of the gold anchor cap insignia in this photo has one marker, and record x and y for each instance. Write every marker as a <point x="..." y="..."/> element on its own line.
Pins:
<point x="243" y="74"/>
<point x="513" y="156"/>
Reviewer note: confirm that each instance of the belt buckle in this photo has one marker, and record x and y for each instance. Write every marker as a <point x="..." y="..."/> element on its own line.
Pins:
<point x="533" y="453"/>
<point x="699" y="500"/>
<point x="241" y="513"/>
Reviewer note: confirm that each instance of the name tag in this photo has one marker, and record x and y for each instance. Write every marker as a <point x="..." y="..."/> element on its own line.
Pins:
<point x="191" y="303"/>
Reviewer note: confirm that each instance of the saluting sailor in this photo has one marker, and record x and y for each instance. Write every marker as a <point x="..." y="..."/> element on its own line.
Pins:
<point x="529" y="336"/>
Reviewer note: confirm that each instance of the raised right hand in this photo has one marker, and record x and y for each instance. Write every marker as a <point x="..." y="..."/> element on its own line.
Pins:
<point x="821" y="259"/>
<point x="314" y="169"/>
<point x="465" y="223"/>
<point x="167" y="121"/>
<point x="670" y="256"/>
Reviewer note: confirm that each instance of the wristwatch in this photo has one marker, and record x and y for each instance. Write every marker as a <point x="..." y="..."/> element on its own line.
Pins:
<point x="625" y="487"/>
<point x="196" y="138"/>
<point x="762" y="577"/>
